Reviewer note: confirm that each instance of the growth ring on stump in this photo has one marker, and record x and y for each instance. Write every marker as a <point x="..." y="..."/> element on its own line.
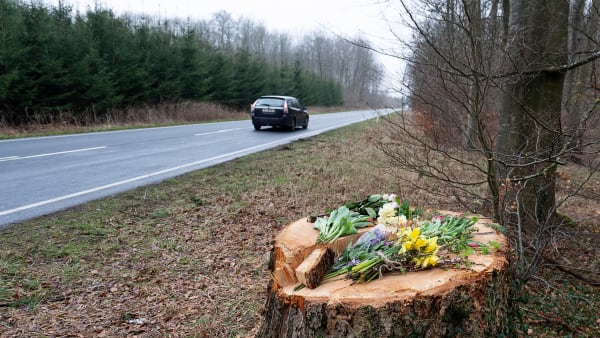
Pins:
<point x="429" y="303"/>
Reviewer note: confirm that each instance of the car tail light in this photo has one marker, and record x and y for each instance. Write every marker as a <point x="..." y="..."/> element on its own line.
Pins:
<point x="252" y="107"/>
<point x="285" y="107"/>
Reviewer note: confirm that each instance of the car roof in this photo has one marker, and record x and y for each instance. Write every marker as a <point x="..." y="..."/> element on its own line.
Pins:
<point x="277" y="97"/>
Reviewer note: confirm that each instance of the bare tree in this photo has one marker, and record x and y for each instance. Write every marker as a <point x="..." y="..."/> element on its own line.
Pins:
<point x="581" y="87"/>
<point x="530" y="141"/>
<point x="485" y="81"/>
<point x="224" y="31"/>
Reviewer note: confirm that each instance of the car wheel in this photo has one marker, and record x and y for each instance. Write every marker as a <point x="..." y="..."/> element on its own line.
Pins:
<point x="305" y="125"/>
<point x="256" y="126"/>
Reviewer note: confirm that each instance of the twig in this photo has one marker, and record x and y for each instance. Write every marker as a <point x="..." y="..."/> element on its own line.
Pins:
<point x="554" y="320"/>
<point x="577" y="275"/>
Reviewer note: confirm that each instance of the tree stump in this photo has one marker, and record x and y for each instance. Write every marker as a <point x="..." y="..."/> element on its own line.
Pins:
<point x="438" y="302"/>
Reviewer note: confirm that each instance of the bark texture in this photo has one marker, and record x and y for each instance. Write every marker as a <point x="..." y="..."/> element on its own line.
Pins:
<point x="530" y="140"/>
<point x="432" y="303"/>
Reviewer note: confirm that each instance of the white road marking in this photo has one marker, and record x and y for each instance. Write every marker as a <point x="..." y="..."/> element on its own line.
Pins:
<point x="219" y="131"/>
<point x="138" y="178"/>
<point x="14" y="158"/>
<point x="110" y="132"/>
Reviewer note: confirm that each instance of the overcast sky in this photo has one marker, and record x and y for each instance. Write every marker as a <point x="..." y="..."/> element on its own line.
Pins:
<point x="302" y="16"/>
<point x="295" y="17"/>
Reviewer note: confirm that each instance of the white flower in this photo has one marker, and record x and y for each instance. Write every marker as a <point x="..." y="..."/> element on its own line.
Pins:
<point x="387" y="210"/>
<point x="389" y="197"/>
<point x="390" y="221"/>
<point x="387" y="214"/>
<point x="402" y="221"/>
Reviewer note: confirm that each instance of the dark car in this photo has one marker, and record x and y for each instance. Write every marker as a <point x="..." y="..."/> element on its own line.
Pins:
<point x="278" y="111"/>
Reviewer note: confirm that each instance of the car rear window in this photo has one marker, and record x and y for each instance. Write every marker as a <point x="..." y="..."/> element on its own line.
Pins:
<point x="271" y="102"/>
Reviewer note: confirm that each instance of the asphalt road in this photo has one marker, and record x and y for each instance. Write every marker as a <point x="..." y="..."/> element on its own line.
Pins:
<point x="42" y="175"/>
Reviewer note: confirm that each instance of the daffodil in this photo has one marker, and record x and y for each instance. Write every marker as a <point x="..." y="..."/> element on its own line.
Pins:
<point x="431" y="246"/>
<point x="425" y="261"/>
<point x="405" y="232"/>
<point x="420" y="242"/>
<point x="406" y="246"/>
<point x="414" y="234"/>
<point x="430" y="260"/>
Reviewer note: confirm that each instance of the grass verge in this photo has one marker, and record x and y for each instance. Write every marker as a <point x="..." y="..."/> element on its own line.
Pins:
<point x="188" y="256"/>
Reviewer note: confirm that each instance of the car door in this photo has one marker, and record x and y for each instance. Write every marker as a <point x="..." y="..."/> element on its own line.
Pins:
<point x="302" y="112"/>
<point x="300" y="117"/>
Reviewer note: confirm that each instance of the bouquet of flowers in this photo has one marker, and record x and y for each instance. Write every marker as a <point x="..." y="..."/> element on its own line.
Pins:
<point x="402" y="242"/>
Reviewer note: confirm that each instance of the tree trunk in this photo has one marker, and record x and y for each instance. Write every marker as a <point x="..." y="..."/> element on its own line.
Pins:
<point x="580" y="92"/>
<point x="475" y="91"/>
<point x="530" y="125"/>
<point x="430" y="303"/>
<point x="573" y="107"/>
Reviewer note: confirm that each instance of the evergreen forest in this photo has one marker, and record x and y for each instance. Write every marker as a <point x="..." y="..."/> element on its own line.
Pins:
<point x="55" y="60"/>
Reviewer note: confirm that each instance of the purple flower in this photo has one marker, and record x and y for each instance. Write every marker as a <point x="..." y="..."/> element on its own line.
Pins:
<point x="376" y="236"/>
<point x="354" y="262"/>
<point x="372" y="237"/>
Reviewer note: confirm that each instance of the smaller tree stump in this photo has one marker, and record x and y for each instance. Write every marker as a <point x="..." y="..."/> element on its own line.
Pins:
<point x="314" y="267"/>
<point x="438" y="302"/>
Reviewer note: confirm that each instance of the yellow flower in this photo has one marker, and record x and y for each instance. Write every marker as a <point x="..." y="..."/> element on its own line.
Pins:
<point x="419" y="242"/>
<point x="414" y="234"/>
<point x="430" y="260"/>
<point x="402" y="250"/>
<point x="425" y="261"/>
<point x="406" y="233"/>
<point x="431" y="246"/>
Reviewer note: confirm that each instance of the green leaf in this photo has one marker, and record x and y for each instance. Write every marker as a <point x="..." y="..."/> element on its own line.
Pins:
<point x="494" y="244"/>
<point x="375" y="198"/>
<point x="320" y="223"/>
<point x="371" y="212"/>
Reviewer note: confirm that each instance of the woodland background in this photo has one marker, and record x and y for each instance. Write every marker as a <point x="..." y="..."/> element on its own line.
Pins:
<point x="57" y="64"/>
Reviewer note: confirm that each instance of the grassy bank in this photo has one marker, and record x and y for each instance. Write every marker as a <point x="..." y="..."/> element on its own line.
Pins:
<point x="166" y="114"/>
<point x="188" y="257"/>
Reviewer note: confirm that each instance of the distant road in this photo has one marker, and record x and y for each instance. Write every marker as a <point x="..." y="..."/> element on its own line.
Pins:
<point x="42" y="175"/>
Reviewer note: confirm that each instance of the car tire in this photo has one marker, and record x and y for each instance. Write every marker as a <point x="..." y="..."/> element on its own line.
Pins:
<point x="305" y="125"/>
<point x="256" y="126"/>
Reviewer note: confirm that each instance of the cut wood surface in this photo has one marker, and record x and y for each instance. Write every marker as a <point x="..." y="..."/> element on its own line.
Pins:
<point x="314" y="267"/>
<point x="428" y="303"/>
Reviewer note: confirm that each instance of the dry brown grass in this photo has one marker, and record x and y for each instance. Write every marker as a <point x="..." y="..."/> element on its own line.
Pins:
<point x="188" y="257"/>
<point x="133" y="117"/>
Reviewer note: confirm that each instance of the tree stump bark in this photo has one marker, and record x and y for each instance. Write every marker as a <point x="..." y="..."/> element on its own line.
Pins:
<point x="431" y="303"/>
